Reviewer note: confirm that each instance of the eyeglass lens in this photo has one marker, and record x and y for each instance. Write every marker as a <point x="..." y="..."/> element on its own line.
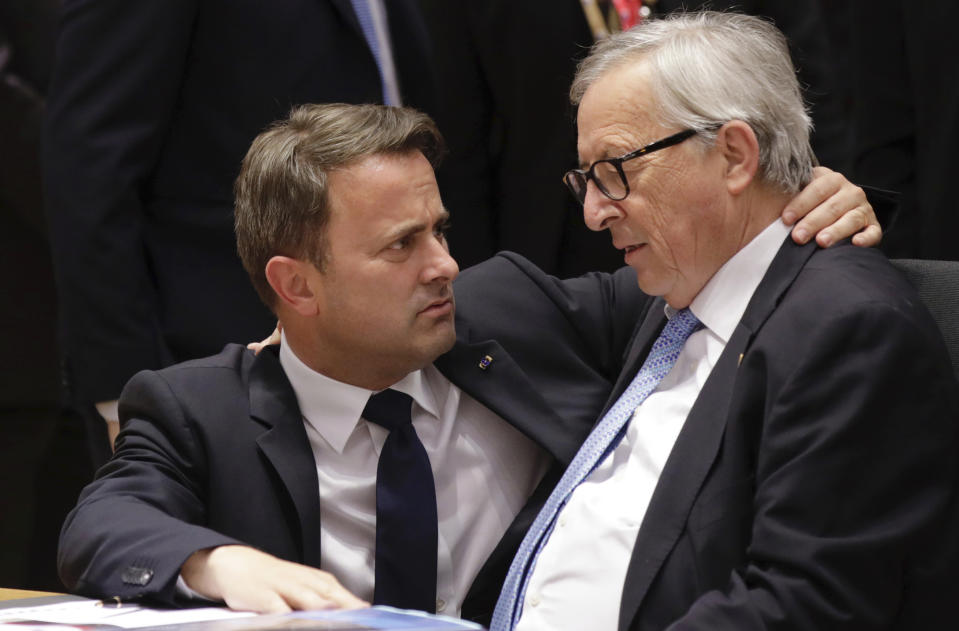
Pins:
<point x="606" y="177"/>
<point x="610" y="180"/>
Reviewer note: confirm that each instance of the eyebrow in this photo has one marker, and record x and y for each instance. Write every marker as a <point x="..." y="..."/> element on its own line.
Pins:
<point x="407" y="229"/>
<point x="606" y="155"/>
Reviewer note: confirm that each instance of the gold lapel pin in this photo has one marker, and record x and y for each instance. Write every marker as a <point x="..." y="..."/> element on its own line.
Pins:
<point x="740" y="362"/>
<point x="485" y="362"/>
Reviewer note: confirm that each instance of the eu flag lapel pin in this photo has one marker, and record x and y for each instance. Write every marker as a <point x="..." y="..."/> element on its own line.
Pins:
<point x="485" y="362"/>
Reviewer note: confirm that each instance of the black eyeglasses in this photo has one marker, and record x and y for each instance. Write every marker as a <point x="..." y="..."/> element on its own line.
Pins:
<point x="608" y="174"/>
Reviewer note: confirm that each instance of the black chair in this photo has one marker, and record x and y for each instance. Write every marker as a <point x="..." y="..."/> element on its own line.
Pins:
<point x="938" y="285"/>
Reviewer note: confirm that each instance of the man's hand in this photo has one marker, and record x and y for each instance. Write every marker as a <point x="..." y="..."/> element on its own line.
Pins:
<point x="832" y="208"/>
<point x="274" y="338"/>
<point x="249" y="580"/>
<point x="111" y="415"/>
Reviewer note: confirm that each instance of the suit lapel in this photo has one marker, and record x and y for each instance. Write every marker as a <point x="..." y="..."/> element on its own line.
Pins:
<point x="286" y="446"/>
<point x="698" y="442"/>
<point x="683" y="475"/>
<point x="504" y="388"/>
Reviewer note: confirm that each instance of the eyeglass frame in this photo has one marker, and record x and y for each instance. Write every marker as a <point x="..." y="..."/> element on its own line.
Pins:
<point x="589" y="174"/>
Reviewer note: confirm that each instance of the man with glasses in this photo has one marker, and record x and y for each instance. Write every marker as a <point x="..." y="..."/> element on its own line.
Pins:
<point x="779" y="450"/>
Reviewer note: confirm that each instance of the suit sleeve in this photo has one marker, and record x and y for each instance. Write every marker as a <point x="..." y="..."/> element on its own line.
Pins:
<point x="116" y="81"/>
<point x="594" y="316"/>
<point x="854" y="480"/>
<point x="136" y="524"/>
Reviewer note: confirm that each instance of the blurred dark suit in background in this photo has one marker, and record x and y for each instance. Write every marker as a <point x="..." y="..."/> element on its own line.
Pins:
<point x="906" y="118"/>
<point x="43" y="459"/>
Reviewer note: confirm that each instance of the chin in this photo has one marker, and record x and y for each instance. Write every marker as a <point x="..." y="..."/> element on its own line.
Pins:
<point x="445" y="344"/>
<point x="655" y="283"/>
<point x="649" y="286"/>
<point x="429" y="349"/>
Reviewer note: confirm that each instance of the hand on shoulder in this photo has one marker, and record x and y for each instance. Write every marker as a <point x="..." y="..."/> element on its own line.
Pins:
<point x="832" y="208"/>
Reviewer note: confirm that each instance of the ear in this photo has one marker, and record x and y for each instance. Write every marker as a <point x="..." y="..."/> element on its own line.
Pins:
<point x="291" y="280"/>
<point x="738" y="145"/>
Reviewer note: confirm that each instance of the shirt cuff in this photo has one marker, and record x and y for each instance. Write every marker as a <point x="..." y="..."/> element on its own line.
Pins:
<point x="182" y="589"/>
<point x="109" y="410"/>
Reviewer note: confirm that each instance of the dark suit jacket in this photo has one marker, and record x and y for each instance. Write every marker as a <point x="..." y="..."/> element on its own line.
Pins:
<point x="152" y="107"/>
<point x="28" y="313"/>
<point x="205" y="441"/>
<point x="906" y="123"/>
<point x="811" y="483"/>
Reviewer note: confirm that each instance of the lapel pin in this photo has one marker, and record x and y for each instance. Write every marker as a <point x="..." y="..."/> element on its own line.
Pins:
<point x="740" y="362"/>
<point x="485" y="362"/>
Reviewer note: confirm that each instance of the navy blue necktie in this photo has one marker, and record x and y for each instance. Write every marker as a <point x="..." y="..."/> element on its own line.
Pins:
<point x="405" y="509"/>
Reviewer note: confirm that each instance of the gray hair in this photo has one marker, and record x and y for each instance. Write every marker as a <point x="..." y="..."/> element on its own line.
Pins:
<point x="709" y="68"/>
<point x="282" y="193"/>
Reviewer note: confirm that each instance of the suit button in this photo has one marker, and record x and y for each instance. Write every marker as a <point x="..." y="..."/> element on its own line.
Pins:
<point x="134" y="575"/>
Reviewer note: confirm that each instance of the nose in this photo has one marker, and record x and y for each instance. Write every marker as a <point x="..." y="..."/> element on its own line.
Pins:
<point x="441" y="266"/>
<point x="599" y="211"/>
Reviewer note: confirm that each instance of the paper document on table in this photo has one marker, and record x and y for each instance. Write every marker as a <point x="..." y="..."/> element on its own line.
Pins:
<point x="91" y="615"/>
<point x="371" y="619"/>
<point x="94" y="613"/>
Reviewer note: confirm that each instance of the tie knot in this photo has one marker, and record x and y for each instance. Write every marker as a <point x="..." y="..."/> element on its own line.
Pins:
<point x="680" y="326"/>
<point x="390" y="409"/>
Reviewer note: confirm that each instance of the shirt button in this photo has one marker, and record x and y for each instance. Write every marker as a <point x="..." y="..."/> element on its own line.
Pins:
<point x="534" y="600"/>
<point x="562" y="520"/>
<point x="440" y="605"/>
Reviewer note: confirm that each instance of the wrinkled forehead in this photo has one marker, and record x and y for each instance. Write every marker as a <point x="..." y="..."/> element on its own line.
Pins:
<point x="618" y="112"/>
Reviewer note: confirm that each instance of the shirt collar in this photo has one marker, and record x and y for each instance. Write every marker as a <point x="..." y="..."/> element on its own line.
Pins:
<point x="334" y="408"/>
<point x="721" y="303"/>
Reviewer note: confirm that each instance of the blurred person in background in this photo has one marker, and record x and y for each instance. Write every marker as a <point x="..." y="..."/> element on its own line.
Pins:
<point x="43" y="461"/>
<point x="906" y="118"/>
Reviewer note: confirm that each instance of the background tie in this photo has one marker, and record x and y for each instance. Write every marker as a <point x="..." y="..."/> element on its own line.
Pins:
<point x="365" y="17"/>
<point x="601" y="441"/>
<point x="405" y="509"/>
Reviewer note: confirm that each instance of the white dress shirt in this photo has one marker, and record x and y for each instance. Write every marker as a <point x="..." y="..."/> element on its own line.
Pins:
<point x="483" y="468"/>
<point x="578" y="578"/>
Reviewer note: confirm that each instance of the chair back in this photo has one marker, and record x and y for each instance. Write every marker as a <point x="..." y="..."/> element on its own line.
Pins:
<point x="937" y="283"/>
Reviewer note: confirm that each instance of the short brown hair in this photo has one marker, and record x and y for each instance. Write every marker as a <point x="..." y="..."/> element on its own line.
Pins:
<point x="282" y="194"/>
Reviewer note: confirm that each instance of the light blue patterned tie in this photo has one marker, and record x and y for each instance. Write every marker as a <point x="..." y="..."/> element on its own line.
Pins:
<point x="365" y="17"/>
<point x="601" y="441"/>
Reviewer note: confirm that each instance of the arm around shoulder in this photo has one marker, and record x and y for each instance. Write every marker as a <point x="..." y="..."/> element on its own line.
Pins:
<point x="508" y="296"/>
